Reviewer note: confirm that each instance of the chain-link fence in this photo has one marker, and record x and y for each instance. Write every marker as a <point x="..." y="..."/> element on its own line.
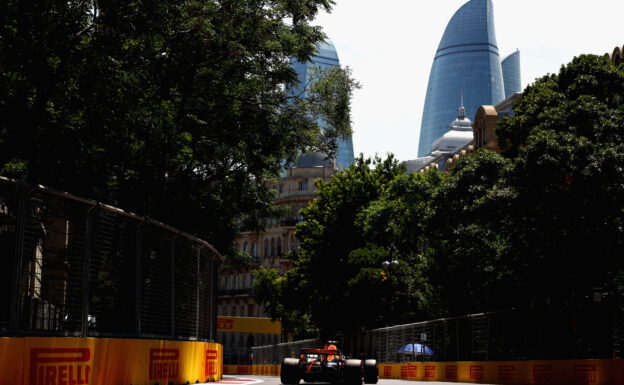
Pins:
<point x="593" y="331"/>
<point x="75" y="267"/>
<point x="275" y="354"/>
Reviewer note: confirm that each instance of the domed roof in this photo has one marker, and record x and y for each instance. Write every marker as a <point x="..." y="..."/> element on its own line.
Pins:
<point x="452" y="141"/>
<point x="459" y="135"/>
<point x="313" y="159"/>
<point x="462" y="123"/>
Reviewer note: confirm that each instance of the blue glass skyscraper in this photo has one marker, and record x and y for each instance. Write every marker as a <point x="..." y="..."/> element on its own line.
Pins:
<point x="467" y="62"/>
<point x="326" y="57"/>
<point x="511" y="74"/>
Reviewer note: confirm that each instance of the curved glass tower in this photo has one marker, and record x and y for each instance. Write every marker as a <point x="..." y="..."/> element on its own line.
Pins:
<point x="467" y="62"/>
<point x="511" y="74"/>
<point x="324" y="59"/>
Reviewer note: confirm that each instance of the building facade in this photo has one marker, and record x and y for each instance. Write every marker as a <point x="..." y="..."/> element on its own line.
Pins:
<point x="326" y="58"/>
<point x="464" y="137"/>
<point x="455" y="142"/>
<point x="511" y="74"/>
<point x="467" y="62"/>
<point x="617" y="56"/>
<point x="295" y="190"/>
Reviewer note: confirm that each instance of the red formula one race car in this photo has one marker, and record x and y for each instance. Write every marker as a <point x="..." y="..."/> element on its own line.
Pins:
<point x="328" y="365"/>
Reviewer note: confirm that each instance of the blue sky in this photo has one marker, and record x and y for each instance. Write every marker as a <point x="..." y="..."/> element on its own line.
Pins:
<point x="390" y="45"/>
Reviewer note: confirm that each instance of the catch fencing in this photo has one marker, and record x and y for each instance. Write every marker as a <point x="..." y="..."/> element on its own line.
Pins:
<point x="75" y="267"/>
<point x="275" y="354"/>
<point x="592" y="332"/>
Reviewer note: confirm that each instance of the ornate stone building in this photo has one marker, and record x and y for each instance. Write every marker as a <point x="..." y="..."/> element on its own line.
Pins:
<point x="617" y="56"/>
<point x="485" y="123"/>
<point x="295" y="190"/>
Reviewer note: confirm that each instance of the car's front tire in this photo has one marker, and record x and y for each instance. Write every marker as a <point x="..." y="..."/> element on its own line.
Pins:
<point x="290" y="373"/>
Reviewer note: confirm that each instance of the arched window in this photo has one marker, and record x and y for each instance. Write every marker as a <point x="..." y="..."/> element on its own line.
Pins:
<point x="279" y="246"/>
<point x="266" y="248"/>
<point x="246" y="248"/>
<point x="272" y="247"/>
<point x="254" y="250"/>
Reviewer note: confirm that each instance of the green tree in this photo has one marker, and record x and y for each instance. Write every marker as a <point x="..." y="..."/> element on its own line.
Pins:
<point x="338" y="278"/>
<point x="179" y="110"/>
<point x="567" y="143"/>
<point x="539" y="225"/>
<point x="466" y="238"/>
<point x="397" y="222"/>
<point x="281" y="303"/>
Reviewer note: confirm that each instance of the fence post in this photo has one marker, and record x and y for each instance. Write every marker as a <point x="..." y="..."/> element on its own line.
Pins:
<point x="213" y="304"/>
<point x="197" y="303"/>
<point x="173" y="285"/>
<point x="137" y="297"/>
<point x="19" y="253"/>
<point x="457" y="338"/>
<point x="85" y="273"/>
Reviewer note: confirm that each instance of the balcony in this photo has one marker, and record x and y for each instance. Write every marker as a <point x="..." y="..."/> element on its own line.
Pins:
<point x="233" y="292"/>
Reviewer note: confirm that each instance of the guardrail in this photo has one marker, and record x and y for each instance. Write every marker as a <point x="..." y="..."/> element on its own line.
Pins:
<point x="589" y="332"/>
<point x="75" y="267"/>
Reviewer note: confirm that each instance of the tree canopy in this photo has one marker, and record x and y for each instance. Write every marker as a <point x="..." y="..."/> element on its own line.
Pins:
<point x="338" y="278"/>
<point x="178" y="110"/>
<point x="539" y="225"/>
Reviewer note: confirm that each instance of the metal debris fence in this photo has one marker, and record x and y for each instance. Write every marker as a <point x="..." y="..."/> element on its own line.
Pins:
<point x="75" y="267"/>
<point x="515" y="334"/>
<point x="275" y="354"/>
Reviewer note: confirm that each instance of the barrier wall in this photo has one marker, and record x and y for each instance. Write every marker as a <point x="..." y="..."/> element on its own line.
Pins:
<point x="256" y="370"/>
<point x="107" y="361"/>
<point x="564" y="372"/>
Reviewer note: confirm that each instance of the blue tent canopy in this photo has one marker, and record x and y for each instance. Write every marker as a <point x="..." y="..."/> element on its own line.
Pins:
<point x="416" y="348"/>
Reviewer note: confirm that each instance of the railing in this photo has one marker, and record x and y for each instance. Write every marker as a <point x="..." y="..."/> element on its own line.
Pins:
<point x="76" y="267"/>
<point x="275" y="354"/>
<point x="591" y="332"/>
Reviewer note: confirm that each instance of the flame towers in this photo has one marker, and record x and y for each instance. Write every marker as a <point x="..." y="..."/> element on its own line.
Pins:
<point x="467" y="62"/>
<point x="325" y="58"/>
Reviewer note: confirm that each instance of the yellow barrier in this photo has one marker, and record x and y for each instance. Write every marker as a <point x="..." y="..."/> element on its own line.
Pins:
<point x="564" y="372"/>
<point x="248" y="325"/>
<point x="256" y="370"/>
<point x="106" y="361"/>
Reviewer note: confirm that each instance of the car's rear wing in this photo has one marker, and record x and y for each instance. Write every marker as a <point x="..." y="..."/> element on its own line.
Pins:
<point x="321" y="351"/>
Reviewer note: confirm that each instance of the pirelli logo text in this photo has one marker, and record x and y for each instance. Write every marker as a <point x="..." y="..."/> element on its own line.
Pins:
<point x="225" y="324"/>
<point x="164" y="364"/>
<point x="59" y="366"/>
<point x="211" y="363"/>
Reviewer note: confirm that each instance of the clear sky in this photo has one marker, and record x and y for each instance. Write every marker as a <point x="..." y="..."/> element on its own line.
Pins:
<point x="390" y="46"/>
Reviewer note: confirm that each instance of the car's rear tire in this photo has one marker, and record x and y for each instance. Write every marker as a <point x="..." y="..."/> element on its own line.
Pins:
<point x="290" y="373"/>
<point x="353" y="372"/>
<point x="371" y="372"/>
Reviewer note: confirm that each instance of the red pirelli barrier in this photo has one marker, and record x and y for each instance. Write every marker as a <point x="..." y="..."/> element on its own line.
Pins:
<point x="563" y="372"/>
<point x="107" y="361"/>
